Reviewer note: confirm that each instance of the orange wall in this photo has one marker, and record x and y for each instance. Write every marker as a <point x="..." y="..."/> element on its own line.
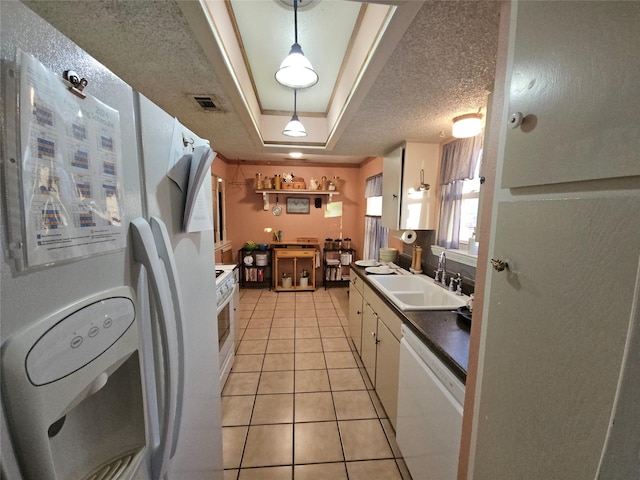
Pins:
<point x="246" y="219"/>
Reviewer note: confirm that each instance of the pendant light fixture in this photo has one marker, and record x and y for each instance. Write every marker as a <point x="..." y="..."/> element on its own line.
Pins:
<point x="466" y="126"/>
<point x="295" y="70"/>
<point x="294" y="128"/>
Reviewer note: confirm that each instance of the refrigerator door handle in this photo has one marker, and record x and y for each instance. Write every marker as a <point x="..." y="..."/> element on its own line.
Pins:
<point x="146" y="253"/>
<point x="165" y="252"/>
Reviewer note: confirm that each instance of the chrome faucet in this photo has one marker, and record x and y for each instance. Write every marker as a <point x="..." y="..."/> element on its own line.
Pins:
<point x="440" y="276"/>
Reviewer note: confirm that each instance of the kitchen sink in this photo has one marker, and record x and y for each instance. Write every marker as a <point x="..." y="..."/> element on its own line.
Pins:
<point x="417" y="292"/>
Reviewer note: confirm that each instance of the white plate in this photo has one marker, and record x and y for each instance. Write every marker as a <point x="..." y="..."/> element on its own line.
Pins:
<point x="367" y="263"/>
<point x="379" y="270"/>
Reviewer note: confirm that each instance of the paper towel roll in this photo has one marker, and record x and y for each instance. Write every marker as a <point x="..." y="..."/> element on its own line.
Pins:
<point x="408" y="236"/>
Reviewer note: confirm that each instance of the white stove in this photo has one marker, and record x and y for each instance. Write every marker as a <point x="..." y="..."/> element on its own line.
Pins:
<point x="226" y="300"/>
<point x="225" y="283"/>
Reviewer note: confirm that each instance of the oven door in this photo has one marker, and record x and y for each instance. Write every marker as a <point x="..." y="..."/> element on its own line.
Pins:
<point x="226" y="336"/>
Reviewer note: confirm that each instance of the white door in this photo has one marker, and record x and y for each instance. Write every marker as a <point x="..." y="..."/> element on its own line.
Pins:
<point x="556" y="321"/>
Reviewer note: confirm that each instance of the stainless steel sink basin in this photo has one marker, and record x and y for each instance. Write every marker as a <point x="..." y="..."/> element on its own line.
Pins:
<point x="417" y="292"/>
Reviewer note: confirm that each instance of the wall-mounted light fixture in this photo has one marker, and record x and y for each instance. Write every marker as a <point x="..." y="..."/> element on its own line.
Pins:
<point x="468" y="125"/>
<point x="295" y="70"/>
<point x="294" y="128"/>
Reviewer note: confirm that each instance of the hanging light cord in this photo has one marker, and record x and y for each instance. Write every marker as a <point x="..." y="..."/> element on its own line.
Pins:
<point x="295" y="20"/>
<point x="295" y="94"/>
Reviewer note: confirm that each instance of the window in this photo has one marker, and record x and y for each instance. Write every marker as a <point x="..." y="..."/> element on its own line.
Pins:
<point x="460" y="191"/>
<point x="469" y="205"/>
<point x="218" y="200"/>
<point x="375" y="235"/>
<point x="374" y="206"/>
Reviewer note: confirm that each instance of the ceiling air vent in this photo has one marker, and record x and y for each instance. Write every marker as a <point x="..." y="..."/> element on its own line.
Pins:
<point x="206" y="102"/>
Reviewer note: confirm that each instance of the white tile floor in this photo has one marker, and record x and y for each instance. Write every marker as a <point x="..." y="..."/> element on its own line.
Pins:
<point x="298" y="403"/>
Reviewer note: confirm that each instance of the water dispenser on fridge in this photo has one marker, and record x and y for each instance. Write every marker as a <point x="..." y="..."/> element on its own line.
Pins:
<point x="72" y="388"/>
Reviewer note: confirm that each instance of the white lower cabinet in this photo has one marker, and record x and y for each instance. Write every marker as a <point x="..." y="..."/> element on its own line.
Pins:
<point x="355" y="312"/>
<point x="387" y="371"/>
<point x="369" y="339"/>
<point x="379" y="340"/>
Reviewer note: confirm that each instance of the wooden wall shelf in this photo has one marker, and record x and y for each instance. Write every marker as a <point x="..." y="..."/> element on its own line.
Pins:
<point x="292" y="191"/>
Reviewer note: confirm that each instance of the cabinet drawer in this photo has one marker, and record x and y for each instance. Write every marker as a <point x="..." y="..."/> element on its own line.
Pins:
<point x="295" y="253"/>
<point x="355" y="281"/>
<point x="385" y="314"/>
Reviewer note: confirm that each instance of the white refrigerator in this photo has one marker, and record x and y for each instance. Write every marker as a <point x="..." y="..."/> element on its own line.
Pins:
<point x="91" y="383"/>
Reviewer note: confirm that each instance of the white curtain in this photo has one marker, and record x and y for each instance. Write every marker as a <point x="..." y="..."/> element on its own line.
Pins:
<point x="460" y="158"/>
<point x="459" y="161"/>
<point x="375" y="235"/>
<point x="450" y="201"/>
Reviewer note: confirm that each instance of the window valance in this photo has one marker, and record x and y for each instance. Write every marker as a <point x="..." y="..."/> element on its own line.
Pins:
<point x="459" y="159"/>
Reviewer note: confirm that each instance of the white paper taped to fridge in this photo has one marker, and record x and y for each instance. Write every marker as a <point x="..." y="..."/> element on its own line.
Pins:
<point x="71" y="169"/>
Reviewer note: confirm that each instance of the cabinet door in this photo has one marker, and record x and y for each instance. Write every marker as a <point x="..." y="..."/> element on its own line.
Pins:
<point x="418" y="207"/>
<point x="391" y="182"/>
<point x="575" y="67"/>
<point x="557" y="325"/>
<point x="388" y="371"/>
<point x="355" y="318"/>
<point x="369" y="337"/>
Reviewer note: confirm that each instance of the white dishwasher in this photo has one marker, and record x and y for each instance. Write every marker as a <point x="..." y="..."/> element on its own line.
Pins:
<point x="430" y="400"/>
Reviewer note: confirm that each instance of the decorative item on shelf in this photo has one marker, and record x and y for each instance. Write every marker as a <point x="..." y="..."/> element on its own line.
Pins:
<point x="299" y="183"/>
<point x="287" y="181"/>
<point x="277" y="182"/>
<point x="250" y="245"/>
<point x="259" y="184"/>
<point x="323" y="183"/>
<point x="304" y="278"/>
<point x="286" y="280"/>
<point x="313" y="184"/>
<point x="267" y="183"/>
<point x="331" y="186"/>
<point x="261" y="259"/>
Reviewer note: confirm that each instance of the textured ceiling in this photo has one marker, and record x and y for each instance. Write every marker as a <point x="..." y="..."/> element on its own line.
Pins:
<point x="442" y="66"/>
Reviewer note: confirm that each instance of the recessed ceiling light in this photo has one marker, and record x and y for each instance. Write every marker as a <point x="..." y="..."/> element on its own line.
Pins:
<point x="295" y="154"/>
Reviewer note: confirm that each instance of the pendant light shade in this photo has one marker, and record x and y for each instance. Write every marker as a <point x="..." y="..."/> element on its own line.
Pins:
<point x="295" y="70"/>
<point x="468" y="125"/>
<point x="294" y="128"/>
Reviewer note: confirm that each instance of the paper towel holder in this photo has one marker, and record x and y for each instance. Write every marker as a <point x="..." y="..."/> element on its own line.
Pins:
<point x="407" y="236"/>
<point x="423" y="186"/>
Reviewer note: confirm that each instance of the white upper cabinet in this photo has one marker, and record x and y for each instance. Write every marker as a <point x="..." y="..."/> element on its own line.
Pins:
<point x="577" y="123"/>
<point x="405" y="206"/>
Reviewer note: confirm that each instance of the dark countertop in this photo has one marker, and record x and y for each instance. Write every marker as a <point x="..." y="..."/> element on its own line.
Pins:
<point x="441" y="331"/>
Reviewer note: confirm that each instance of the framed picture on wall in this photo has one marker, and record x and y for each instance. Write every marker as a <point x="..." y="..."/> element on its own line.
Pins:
<point x="297" y="205"/>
